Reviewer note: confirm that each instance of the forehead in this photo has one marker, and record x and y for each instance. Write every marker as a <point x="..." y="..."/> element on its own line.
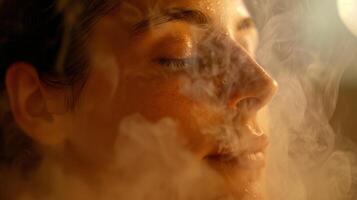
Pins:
<point x="216" y="9"/>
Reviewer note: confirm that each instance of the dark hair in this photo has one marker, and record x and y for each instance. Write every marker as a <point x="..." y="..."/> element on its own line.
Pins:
<point x="42" y="33"/>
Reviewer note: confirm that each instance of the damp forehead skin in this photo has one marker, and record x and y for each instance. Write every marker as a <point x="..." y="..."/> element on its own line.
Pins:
<point x="125" y="79"/>
<point x="221" y="11"/>
<point x="225" y="15"/>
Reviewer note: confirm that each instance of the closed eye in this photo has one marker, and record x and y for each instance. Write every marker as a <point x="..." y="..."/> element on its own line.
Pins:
<point x="177" y="64"/>
<point x="245" y="24"/>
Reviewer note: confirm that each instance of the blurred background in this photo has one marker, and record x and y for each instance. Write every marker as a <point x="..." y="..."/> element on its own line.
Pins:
<point x="312" y="44"/>
<point x="328" y="30"/>
<point x="337" y="21"/>
<point x="345" y="26"/>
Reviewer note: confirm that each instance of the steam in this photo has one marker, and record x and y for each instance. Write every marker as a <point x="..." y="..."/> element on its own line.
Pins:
<point x="305" y="161"/>
<point x="149" y="164"/>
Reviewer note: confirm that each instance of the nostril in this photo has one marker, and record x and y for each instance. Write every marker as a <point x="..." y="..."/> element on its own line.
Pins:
<point x="250" y="100"/>
<point x="247" y="105"/>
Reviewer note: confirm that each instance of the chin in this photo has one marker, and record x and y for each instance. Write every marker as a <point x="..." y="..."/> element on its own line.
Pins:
<point x="244" y="182"/>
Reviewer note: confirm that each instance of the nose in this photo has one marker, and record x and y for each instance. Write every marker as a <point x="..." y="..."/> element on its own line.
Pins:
<point x="249" y="86"/>
<point x="246" y="86"/>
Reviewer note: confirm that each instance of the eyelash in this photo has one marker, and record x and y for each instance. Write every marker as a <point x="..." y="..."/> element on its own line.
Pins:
<point x="177" y="64"/>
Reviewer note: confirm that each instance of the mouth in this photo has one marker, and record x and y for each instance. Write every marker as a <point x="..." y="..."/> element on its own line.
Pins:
<point x="246" y="160"/>
<point x="249" y="155"/>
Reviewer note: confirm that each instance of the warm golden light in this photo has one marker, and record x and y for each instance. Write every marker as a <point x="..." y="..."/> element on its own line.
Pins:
<point x="348" y="12"/>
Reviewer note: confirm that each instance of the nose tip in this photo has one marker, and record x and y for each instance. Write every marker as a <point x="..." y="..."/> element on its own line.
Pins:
<point x="252" y="101"/>
<point x="252" y="88"/>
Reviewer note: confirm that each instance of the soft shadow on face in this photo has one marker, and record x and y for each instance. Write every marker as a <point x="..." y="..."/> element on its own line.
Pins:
<point x="191" y="61"/>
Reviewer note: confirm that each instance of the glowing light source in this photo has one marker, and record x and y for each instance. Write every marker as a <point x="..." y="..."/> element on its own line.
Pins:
<point x="348" y="12"/>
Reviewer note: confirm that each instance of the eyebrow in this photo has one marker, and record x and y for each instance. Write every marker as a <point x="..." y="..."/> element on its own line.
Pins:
<point x="190" y="16"/>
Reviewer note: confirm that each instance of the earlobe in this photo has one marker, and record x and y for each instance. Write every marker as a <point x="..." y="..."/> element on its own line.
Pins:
<point x="28" y="103"/>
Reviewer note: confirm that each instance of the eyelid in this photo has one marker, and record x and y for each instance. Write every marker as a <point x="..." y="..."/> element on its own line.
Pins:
<point x="177" y="64"/>
<point x="174" y="46"/>
<point x="245" y="24"/>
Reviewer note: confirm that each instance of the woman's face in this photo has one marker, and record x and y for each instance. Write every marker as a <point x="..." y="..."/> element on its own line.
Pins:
<point x="188" y="60"/>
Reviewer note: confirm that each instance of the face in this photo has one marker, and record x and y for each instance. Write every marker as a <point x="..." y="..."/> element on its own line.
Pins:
<point x="189" y="60"/>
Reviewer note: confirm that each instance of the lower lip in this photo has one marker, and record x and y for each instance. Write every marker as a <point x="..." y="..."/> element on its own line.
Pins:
<point x="252" y="160"/>
<point x="248" y="161"/>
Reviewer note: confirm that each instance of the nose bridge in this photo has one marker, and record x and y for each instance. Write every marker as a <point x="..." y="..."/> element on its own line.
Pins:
<point x="247" y="85"/>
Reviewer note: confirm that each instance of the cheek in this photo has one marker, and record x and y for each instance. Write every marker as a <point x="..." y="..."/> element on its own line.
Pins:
<point x="160" y="98"/>
<point x="100" y="88"/>
<point x="94" y="121"/>
<point x="156" y="100"/>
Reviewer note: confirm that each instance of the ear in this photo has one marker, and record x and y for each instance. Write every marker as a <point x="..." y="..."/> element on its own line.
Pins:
<point x="33" y="105"/>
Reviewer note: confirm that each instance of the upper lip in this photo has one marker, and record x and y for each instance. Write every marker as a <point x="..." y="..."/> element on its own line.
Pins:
<point x="239" y="145"/>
